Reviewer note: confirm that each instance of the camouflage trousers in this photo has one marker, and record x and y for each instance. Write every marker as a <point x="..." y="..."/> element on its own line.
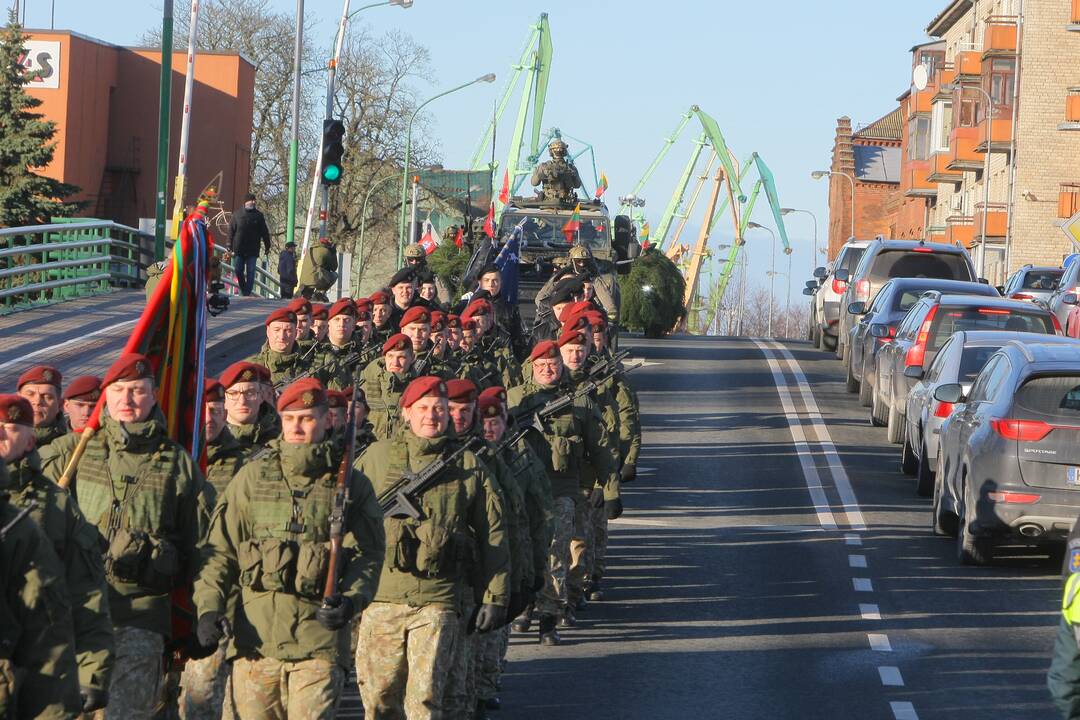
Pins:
<point x="202" y="687"/>
<point x="404" y="658"/>
<point x="459" y="696"/>
<point x="267" y="689"/>
<point x="552" y="599"/>
<point x="580" y="544"/>
<point x="489" y="651"/>
<point x="135" y="691"/>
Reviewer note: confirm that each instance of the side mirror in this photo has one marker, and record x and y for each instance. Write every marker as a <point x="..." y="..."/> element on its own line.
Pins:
<point x="820" y="272"/>
<point x="1069" y="299"/>
<point x="809" y="291"/>
<point x="842" y="275"/>
<point x="949" y="393"/>
<point x="915" y="372"/>
<point x="812" y="283"/>
<point x="857" y="308"/>
<point x="881" y="330"/>
<point x="984" y="281"/>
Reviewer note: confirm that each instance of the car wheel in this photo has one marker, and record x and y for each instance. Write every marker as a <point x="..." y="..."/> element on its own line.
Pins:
<point x="866" y="398"/>
<point x="909" y="464"/>
<point x="895" y="426"/>
<point x="924" y="476"/>
<point x="852" y="383"/>
<point x="970" y="549"/>
<point x="943" y="522"/>
<point x="877" y="411"/>
<point x="828" y="342"/>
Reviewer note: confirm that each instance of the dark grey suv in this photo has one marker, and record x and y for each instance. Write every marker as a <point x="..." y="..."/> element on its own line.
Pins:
<point x="1009" y="463"/>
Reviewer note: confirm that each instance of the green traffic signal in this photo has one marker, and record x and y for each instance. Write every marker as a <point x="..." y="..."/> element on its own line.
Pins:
<point x="332" y="173"/>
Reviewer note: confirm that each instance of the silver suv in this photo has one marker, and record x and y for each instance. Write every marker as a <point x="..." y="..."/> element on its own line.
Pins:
<point x="826" y="311"/>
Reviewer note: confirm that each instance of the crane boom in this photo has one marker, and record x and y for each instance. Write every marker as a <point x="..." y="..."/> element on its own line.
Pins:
<point x="664" y="148"/>
<point x="680" y="191"/>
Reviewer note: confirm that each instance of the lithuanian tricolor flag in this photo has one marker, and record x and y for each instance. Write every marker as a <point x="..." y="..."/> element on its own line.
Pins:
<point x="572" y="225"/>
<point x="602" y="187"/>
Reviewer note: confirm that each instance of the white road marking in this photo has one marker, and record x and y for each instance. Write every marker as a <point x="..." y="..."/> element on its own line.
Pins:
<point x="890" y="676"/>
<point x="802" y="449"/>
<point x="836" y="466"/>
<point x="72" y="341"/>
<point x="869" y="611"/>
<point x="645" y="470"/>
<point x="879" y="642"/>
<point x="856" y="561"/>
<point x="862" y="584"/>
<point x="903" y="711"/>
<point x="852" y="539"/>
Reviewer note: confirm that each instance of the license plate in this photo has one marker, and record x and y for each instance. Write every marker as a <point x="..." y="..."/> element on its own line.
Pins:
<point x="1072" y="475"/>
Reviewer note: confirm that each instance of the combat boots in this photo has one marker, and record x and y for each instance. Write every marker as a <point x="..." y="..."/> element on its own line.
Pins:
<point x="567" y="619"/>
<point x="548" y="634"/>
<point x="593" y="591"/>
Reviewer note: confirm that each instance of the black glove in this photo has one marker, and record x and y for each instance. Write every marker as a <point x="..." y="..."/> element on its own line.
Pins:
<point x="628" y="473"/>
<point x="613" y="508"/>
<point x="596" y="498"/>
<point x="335" y="613"/>
<point x="518" y="603"/>
<point x="193" y="649"/>
<point x="490" y="617"/>
<point x="209" y="629"/>
<point x="93" y="699"/>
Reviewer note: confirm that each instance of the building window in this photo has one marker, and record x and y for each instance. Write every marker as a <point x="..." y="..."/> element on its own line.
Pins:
<point x="1000" y="86"/>
<point x="919" y="138"/>
<point x="940" y="126"/>
<point x="968" y="101"/>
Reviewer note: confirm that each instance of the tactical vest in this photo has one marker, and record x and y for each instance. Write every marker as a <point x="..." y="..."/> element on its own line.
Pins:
<point x="29" y="486"/>
<point x="1070" y="607"/>
<point x="288" y="548"/>
<point x="563" y="447"/>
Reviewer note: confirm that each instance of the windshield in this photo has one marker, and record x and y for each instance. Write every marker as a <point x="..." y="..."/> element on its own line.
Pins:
<point x="547" y="232"/>
<point x="1042" y="279"/>
<point x="972" y="360"/>
<point x="917" y="263"/>
<point x="950" y="320"/>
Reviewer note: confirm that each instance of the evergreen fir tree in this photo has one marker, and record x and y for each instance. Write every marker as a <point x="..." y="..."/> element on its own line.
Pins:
<point x="26" y="198"/>
<point x="651" y="294"/>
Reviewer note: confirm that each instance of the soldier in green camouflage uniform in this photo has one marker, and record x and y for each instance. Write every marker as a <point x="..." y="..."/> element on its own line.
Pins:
<point x="572" y="440"/>
<point x="251" y="419"/>
<point x="385" y="379"/>
<point x="473" y="363"/>
<point x="38" y="674"/>
<point x="80" y="398"/>
<point x="332" y="357"/>
<point x="40" y="385"/>
<point x="494" y="343"/>
<point x="431" y="358"/>
<point x="147" y="500"/>
<point x="74" y="541"/>
<point x="318" y="270"/>
<point x="408" y="635"/>
<point x="305" y="335"/>
<point x="382" y="308"/>
<point x="318" y="322"/>
<point x="279" y="353"/>
<point x="270" y="536"/>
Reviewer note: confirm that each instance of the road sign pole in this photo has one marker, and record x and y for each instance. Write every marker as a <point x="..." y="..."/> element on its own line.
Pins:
<point x="164" y="110"/>
<point x="294" y="134"/>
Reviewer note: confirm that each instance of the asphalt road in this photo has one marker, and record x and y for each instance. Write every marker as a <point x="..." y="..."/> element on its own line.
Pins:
<point x="775" y="563"/>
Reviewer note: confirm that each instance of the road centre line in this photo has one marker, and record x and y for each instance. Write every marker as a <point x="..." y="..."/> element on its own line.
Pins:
<point x="890" y="676"/>
<point x="862" y="584"/>
<point x="879" y="642"/>
<point x="852" y="539"/>
<point x="869" y="611"/>
<point x="903" y="711"/>
<point x="856" y="561"/>
<point x="802" y="447"/>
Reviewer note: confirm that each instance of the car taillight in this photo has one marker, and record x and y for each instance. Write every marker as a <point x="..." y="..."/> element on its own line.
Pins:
<point x="923" y="249"/>
<point x="917" y="352"/>
<point x="1021" y="296"/>
<point x="839" y="286"/>
<point x="943" y="409"/>
<point x="1014" y="497"/>
<point x="890" y="336"/>
<point x="1023" y="430"/>
<point x="862" y="290"/>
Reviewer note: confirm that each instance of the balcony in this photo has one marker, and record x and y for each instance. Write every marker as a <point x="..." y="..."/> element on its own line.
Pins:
<point x="940" y="172"/>
<point x="1000" y="135"/>
<point x="1072" y="104"/>
<point x="960" y="229"/>
<point x="997" y="219"/>
<point x="945" y="78"/>
<point x="999" y="38"/>
<point x="1068" y="200"/>
<point x="968" y="64"/>
<point x="921" y="101"/>
<point x="915" y="181"/>
<point x="962" y="154"/>
<point x="1074" y="17"/>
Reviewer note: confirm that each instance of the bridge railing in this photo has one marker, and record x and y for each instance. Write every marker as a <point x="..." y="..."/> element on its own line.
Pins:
<point x="43" y="264"/>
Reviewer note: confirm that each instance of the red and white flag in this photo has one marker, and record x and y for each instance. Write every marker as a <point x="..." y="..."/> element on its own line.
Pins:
<point x="430" y="240"/>
<point x="504" y="194"/>
<point x="459" y="239"/>
<point x="489" y="223"/>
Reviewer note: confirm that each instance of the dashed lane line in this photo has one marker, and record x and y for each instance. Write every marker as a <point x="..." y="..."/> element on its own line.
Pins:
<point x="903" y="711"/>
<point x="862" y="584"/>
<point x="869" y="611"/>
<point x="856" y="561"/>
<point x="879" y="642"/>
<point x="890" y="676"/>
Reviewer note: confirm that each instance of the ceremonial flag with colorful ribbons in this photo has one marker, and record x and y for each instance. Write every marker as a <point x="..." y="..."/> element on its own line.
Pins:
<point x="572" y="225"/>
<point x="602" y="187"/>
<point x="504" y="194"/>
<point x="459" y="239"/>
<point x="507" y="263"/>
<point x="489" y="222"/>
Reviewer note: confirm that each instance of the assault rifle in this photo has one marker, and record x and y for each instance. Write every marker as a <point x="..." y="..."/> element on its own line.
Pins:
<point x="400" y="500"/>
<point x="609" y="365"/>
<point x="15" y="520"/>
<point x="353" y="358"/>
<point x="341" y="499"/>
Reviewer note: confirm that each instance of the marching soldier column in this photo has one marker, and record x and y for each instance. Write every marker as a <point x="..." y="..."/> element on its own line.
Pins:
<point x="391" y="484"/>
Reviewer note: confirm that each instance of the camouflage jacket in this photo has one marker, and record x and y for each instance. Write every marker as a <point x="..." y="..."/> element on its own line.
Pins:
<point x="255" y="436"/>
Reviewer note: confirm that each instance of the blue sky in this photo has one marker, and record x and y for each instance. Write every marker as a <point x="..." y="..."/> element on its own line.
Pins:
<point x="774" y="73"/>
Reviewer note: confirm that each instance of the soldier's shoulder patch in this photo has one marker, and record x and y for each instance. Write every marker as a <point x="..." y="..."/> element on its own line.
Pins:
<point x="1074" y="559"/>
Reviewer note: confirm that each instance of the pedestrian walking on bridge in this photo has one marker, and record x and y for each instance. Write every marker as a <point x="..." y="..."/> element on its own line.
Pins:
<point x="247" y="230"/>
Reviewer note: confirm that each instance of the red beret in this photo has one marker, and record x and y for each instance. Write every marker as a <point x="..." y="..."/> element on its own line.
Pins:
<point x="453" y="321"/>
<point x="575" y="322"/>
<point x="318" y="311"/>
<point x="596" y="318"/>
<point x="244" y="371"/>
<point x="379" y="297"/>
<point x="336" y="399"/>
<point x="300" y="306"/>
<point x="130" y="366"/>
<point x="84" y="387"/>
<point x="468" y="324"/>
<point x="400" y="341"/>
<point x="360" y="396"/>
<point x="572" y="337"/>
<point x="422" y="387"/>
<point x="492" y="402"/>
<point x="343" y="306"/>
<point x="41" y="375"/>
<point x="438" y="320"/>
<point x="363" y="304"/>
<point x="545" y="349"/>
<point x="303" y="394"/>
<point x="461" y="390"/>
<point x="476" y="307"/>
<point x="575" y="309"/>
<point x="283" y="314"/>
<point x="213" y="391"/>
<point x="16" y="409"/>
<point x="415" y="314"/>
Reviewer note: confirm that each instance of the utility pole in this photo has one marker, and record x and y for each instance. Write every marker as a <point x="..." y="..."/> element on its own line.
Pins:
<point x="294" y="133"/>
<point x="185" y="125"/>
<point x="164" y="111"/>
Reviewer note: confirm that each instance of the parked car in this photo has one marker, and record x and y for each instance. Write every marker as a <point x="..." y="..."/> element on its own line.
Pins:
<point x="926" y="327"/>
<point x="1009" y="464"/>
<point x="828" y="298"/>
<point x="876" y="324"/>
<point x="887" y="259"/>
<point x="1068" y="284"/>
<point x="958" y="361"/>
<point x="811" y="290"/>
<point x="1032" y="283"/>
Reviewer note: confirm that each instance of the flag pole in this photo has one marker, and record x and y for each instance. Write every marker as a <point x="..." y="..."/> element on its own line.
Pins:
<point x="185" y="124"/>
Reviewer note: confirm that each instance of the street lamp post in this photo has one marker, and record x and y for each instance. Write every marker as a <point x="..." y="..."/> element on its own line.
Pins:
<point x="788" y="211"/>
<point x="363" y="224"/>
<point x="986" y="168"/>
<point x="818" y="174"/>
<point x="772" y="271"/>
<point x="490" y="77"/>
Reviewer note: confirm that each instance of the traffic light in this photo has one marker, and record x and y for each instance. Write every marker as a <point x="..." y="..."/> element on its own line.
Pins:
<point x="332" y="150"/>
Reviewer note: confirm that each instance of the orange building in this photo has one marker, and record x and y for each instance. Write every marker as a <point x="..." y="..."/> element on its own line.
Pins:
<point x="104" y="101"/>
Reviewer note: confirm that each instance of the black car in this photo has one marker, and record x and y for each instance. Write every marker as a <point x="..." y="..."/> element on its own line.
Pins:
<point x="877" y="323"/>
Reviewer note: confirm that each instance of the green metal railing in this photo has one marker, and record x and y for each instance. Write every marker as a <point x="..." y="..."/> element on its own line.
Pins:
<point x="44" y="264"/>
